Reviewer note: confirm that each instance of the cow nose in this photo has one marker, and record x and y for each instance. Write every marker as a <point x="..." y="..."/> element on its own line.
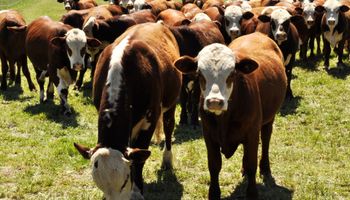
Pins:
<point x="67" y="7"/>
<point x="331" y="22"/>
<point x="215" y="104"/>
<point x="78" y="66"/>
<point x="281" y="36"/>
<point x="234" y="32"/>
<point x="310" y="22"/>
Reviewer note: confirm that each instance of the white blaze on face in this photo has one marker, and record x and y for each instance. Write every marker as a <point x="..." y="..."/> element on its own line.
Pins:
<point x="278" y="18"/>
<point x="127" y="3"/>
<point x="233" y="15"/>
<point x="114" y="73"/>
<point x="216" y="63"/>
<point x="76" y="44"/>
<point x="246" y="6"/>
<point x="138" y="5"/>
<point x="111" y="173"/>
<point x="309" y="13"/>
<point x="332" y="13"/>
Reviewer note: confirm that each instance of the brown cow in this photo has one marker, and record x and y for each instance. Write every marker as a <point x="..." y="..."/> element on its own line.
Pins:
<point x="242" y="86"/>
<point x="56" y="50"/>
<point x="12" y="36"/>
<point x="172" y="17"/>
<point x="77" y="4"/>
<point x="135" y="86"/>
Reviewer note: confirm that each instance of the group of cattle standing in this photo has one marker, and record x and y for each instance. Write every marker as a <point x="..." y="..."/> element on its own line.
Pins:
<point x="231" y="62"/>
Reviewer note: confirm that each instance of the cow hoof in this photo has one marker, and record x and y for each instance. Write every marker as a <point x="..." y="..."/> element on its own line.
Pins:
<point x="77" y="87"/>
<point x="66" y="111"/>
<point x="32" y="88"/>
<point x="268" y="180"/>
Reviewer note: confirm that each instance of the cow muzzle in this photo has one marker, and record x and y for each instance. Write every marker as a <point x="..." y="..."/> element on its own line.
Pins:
<point x="215" y="104"/>
<point x="310" y="22"/>
<point x="77" y="66"/>
<point x="282" y="36"/>
<point x="331" y="22"/>
<point x="234" y="33"/>
<point x="67" y="7"/>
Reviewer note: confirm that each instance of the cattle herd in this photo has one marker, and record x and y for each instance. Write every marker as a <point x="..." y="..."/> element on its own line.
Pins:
<point x="229" y="62"/>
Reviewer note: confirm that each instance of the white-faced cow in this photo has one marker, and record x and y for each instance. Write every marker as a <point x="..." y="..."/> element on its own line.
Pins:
<point x="335" y="28"/>
<point x="135" y="88"/>
<point x="12" y="36"/>
<point x="242" y="88"/>
<point x="77" y="4"/>
<point x="278" y="27"/>
<point x="56" y="50"/>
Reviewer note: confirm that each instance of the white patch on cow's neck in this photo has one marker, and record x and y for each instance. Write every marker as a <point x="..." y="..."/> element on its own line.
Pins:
<point x="114" y="76"/>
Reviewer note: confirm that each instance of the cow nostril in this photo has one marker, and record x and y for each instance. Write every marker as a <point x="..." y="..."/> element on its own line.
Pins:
<point x="215" y="104"/>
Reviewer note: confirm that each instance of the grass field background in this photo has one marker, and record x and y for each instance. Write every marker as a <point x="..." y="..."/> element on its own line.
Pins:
<point x="310" y="145"/>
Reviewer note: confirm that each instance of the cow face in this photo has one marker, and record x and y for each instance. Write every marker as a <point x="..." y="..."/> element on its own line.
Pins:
<point x="309" y="13"/>
<point x="75" y="43"/>
<point x="112" y="173"/>
<point x="332" y="9"/>
<point x="216" y="66"/>
<point x="128" y="4"/>
<point x="69" y="4"/>
<point x="280" y="23"/>
<point x="233" y="18"/>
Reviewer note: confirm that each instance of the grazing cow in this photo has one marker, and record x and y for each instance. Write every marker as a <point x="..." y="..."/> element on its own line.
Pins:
<point x="135" y="87"/>
<point x="242" y="88"/>
<point x="77" y="4"/>
<point x="12" y="36"/>
<point x="236" y="19"/>
<point x="335" y="28"/>
<point x="279" y="27"/>
<point x="192" y="39"/>
<point x="56" y="50"/>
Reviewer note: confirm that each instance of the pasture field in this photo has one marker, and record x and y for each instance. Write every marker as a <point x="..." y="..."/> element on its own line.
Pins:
<point x="309" y="151"/>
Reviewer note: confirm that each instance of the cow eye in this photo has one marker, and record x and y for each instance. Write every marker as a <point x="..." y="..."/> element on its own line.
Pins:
<point x="201" y="80"/>
<point x="69" y="51"/>
<point x="83" y="51"/>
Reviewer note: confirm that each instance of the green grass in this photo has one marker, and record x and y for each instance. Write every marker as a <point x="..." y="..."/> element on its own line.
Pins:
<point x="310" y="146"/>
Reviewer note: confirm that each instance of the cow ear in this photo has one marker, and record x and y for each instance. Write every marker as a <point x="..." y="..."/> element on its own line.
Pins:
<point x="92" y="42"/>
<point x="17" y="28"/>
<point x="298" y="11"/>
<point x="297" y="19"/>
<point x="185" y="22"/>
<point x="137" y="155"/>
<point x="146" y="6"/>
<point x="247" y="15"/>
<point x="84" y="151"/>
<point x="58" y="41"/>
<point x="186" y="64"/>
<point x="344" y="8"/>
<point x="264" y="18"/>
<point x="245" y="65"/>
<point x="319" y="9"/>
<point x="59" y="1"/>
<point x="218" y="24"/>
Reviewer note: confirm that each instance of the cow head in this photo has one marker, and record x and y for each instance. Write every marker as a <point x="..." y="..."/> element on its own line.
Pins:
<point x="69" y="4"/>
<point x="332" y="8"/>
<point x="216" y="66"/>
<point x="309" y="13"/>
<point x="111" y="170"/>
<point x="280" y="24"/>
<point x="74" y="42"/>
<point x="128" y="4"/>
<point x="233" y="18"/>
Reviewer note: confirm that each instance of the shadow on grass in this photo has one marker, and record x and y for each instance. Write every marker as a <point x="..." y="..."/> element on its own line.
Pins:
<point x="166" y="187"/>
<point x="311" y="64"/>
<point x="13" y="93"/>
<point x="275" y="192"/>
<point x="184" y="133"/>
<point x="340" y="72"/>
<point x="289" y="106"/>
<point x="53" y="113"/>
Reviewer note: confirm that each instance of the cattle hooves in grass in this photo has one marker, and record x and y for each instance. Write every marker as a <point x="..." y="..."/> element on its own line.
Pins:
<point x="268" y="180"/>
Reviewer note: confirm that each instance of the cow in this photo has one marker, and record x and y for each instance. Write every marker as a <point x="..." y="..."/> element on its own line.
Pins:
<point x="56" y="50"/>
<point x="191" y="39"/>
<point x="135" y="87"/>
<point x="172" y="17"/>
<point x="12" y="35"/>
<point x="212" y="3"/>
<point x="190" y="10"/>
<point x="335" y="28"/>
<point x="77" y="4"/>
<point x="278" y="26"/>
<point x="242" y="87"/>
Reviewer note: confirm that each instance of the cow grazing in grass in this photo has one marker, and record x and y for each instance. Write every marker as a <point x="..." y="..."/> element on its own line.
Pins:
<point x="77" y="4"/>
<point x="56" y="50"/>
<point x="12" y="35"/>
<point x="335" y="28"/>
<point x="135" y="89"/>
<point x="242" y="87"/>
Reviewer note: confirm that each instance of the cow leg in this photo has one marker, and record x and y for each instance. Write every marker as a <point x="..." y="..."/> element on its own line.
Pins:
<point x="326" y="52"/>
<point x="183" y="101"/>
<point x="4" y="69"/>
<point x="339" y="50"/>
<point x="79" y="82"/>
<point x="12" y="68"/>
<point x="264" y="166"/>
<point x="303" y="51"/>
<point x="318" y="41"/>
<point x="289" y="67"/>
<point x="169" y="125"/>
<point x="62" y="89"/>
<point x="18" y="74"/>
<point x="214" y="165"/>
<point x="195" y="103"/>
<point x="250" y="164"/>
<point x="40" y="78"/>
<point x="312" y="45"/>
<point x="50" y="91"/>
<point x="26" y="73"/>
